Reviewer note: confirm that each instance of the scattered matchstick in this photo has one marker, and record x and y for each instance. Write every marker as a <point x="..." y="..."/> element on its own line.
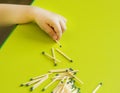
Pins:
<point x="62" y="91"/>
<point x="30" y="82"/>
<point x="33" y="82"/>
<point x="58" y="70"/>
<point x="56" y="89"/>
<point x="37" y="77"/>
<point x="75" y="77"/>
<point x="58" y="43"/>
<point x="59" y="86"/>
<point x="40" y="82"/>
<point x="98" y="86"/>
<point x="46" y="54"/>
<point x="65" y="76"/>
<point x="76" y="90"/>
<point x="59" y="51"/>
<point x="49" y="84"/>
<point x="53" y="54"/>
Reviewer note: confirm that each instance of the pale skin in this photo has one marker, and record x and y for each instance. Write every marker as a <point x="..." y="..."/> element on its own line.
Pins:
<point x="53" y="24"/>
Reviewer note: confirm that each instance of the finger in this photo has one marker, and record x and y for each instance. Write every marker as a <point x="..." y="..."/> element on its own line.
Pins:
<point x="57" y="29"/>
<point x="50" y="32"/>
<point x="63" y="25"/>
<point x="65" y="20"/>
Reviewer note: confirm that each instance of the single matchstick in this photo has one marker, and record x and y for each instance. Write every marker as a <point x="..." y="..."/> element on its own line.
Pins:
<point x="58" y="70"/>
<point x="37" y="77"/>
<point x="58" y="43"/>
<point x="98" y="86"/>
<point x="49" y="84"/>
<point x="53" y="54"/>
<point x="75" y="77"/>
<point x="59" y="51"/>
<point x="46" y="54"/>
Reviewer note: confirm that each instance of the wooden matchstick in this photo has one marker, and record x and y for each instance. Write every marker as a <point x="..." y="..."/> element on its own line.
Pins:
<point x="58" y="43"/>
<point x="46" y="54"/>
<point x="56" y="89"/>
<point x="63" y="54"/>
<point x="37" y="77"/>
<point x="38" y="83"/>
<point x="59" y="86"/>
<point x="53" y="54"/>
<point x="96" y="89"/>
<point x="62" y="91"/>
<point x="67" y="89"/>
<point x="75" y="77"/>
<point x="76" y="90"/>
<point x="33" y="82"/>
<point x="58" y="70"/>
<point x="30" y="82"/>
<point x="49" y="84"/>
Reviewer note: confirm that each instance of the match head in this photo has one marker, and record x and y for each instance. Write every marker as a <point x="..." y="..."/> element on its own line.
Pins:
<point x="43" y="89"/>
<point x="74" y="73"/>
<point x="21" y="85"/>
<point x="27" y="84"/>
<point x="62" y="82"/>
<point x="43" y="52"/>
<point x="31" y="89"/>
<point x="78" y="90"/>
<point x="70" y="69"/>
<point x="73" y="81"/>
<point x="100" y="83"/>
<point x="67" y="70"/>
<point x="71" y="60"/>
<point x="68" y="82"/>
<point x="56" y="74"/>
<point x="73" y="86"/>
<point x="55" y="64"/>
<point x="31" y="79"/>
<point x="60" y="45"/>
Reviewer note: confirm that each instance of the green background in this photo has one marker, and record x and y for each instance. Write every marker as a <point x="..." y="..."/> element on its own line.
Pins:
<point x="91" y="40"/>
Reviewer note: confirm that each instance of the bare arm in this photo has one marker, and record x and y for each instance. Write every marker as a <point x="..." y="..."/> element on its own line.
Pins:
<point x="51" y="23"/>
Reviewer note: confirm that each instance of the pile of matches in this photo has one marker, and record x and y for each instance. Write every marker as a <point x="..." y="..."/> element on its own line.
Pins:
<point x="53" y="57"/>
<point x="66" y="78"/>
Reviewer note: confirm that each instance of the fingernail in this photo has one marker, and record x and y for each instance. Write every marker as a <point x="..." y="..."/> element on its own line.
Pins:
<point x="55" y="37"/>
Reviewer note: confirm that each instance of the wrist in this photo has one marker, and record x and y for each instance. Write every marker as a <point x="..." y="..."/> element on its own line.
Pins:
<point x="34" y="13"/>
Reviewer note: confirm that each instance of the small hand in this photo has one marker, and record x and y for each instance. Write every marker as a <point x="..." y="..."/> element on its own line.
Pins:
<point x="51" y="23"/>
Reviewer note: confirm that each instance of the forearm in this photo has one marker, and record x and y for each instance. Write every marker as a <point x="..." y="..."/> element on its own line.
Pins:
<point x="51" y="23"/>
<point x="15" y="14"/>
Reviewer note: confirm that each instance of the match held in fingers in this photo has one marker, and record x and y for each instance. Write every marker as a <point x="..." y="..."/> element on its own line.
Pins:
<point x="98" y="86"/>
<point x="53" y="54"/>
<point x="63" y="54"/>
<point x="46" y="54"/>
<point x="58" y="43"/>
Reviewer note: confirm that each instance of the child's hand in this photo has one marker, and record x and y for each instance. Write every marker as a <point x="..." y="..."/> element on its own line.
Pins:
<point x="51" y="23"/>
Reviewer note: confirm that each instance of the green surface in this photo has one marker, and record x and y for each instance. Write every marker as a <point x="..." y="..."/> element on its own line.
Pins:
<point x="91" y="40"/>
